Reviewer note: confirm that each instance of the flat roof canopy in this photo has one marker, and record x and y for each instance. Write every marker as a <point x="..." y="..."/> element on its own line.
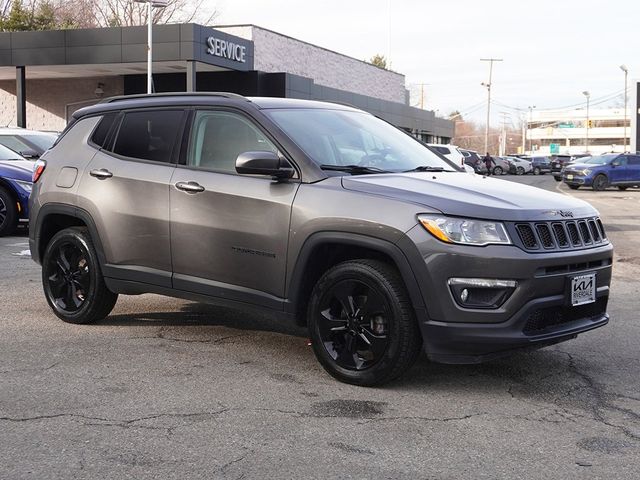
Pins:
<point x="122" y="50"/>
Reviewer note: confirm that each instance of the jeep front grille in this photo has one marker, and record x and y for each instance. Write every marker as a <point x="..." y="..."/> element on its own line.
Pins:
<point x="560" y="235"/>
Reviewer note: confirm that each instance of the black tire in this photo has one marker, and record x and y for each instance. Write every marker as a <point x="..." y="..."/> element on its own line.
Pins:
<point x="381" y="315"/>
<point x="557" y="179"/>
<point x="600" y="183"/>
<point x="573" y="187"/>
<point x="72" y="279"/>
<point x="497" y="170"/>
<point x="520" y="171"/>
<point x="8" y="213"/>
<point x="536" y="170"/>
<point x="622" y="187"/>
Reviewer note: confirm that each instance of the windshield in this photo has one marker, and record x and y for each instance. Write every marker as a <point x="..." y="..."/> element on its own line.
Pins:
<point x="8" y="154"/>
<point x="599" y="160"/>
<point x="43" y="141"/>
<point x="338" y="138"/>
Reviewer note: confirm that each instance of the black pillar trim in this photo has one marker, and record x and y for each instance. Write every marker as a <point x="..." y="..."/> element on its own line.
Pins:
<point x="21" y="96"/>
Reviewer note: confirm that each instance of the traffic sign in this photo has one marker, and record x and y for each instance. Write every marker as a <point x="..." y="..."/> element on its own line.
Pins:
<point x="554" y="148"/>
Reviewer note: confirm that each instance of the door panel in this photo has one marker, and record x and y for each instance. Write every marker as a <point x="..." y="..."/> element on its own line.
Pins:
<point x="131" y="212"/>
<point x="234" y="233"/>
<point x="618" y="174"/>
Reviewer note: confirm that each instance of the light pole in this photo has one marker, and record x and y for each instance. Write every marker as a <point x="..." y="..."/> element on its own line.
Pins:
<point x="624" y="137"/>
<point x="151" y="4"/>
<point x="586" y="142"/>
<point x="531" y="107"/>
<point x="488" y="85"/>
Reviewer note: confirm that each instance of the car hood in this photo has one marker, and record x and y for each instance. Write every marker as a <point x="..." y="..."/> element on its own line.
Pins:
<point x="16" y="169"/>
<point x="582" y="166"/>
<point x="465" y="195"/>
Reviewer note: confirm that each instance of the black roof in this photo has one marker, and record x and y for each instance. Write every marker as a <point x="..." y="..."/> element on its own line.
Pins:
<point x="200" y="98"/>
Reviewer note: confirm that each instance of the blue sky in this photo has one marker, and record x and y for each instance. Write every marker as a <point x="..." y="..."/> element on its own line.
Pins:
<point x="552" y="49"/>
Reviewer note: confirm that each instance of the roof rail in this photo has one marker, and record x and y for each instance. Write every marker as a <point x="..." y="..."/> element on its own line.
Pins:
<point x="120" y="98"/>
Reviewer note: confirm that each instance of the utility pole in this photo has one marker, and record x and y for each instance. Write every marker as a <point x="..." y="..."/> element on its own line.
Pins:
<point x="488" y="85"/>
<point x="503" y="134"/>
<point x="524" y="133"/>
<point x="586" y="140"/>
<point x="626" y="73"/>
<point x="531" y="107"/>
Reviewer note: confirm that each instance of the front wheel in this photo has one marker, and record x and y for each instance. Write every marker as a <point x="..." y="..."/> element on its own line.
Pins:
<point x="8" y="213"/>
<point x="362" y="325"/>
<point x="520" y="171"/>
<point x="72" y="280"/>
<point x="497" y="171"/>
<point x="600" y="183"/>
<point x="536" y="170"/>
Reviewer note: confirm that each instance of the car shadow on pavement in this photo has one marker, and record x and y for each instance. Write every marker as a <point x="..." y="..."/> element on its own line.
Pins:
<point x="203" y="314"/>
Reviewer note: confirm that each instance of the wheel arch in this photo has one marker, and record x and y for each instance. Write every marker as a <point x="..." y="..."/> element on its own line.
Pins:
<point x="323" y="250"/>
<point x="53" y="218"/>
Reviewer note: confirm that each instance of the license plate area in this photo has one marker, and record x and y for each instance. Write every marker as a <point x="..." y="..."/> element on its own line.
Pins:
<point x="583" y="289"/>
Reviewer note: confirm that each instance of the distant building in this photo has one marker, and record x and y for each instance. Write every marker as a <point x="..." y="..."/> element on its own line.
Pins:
<point x="562" y="131"/>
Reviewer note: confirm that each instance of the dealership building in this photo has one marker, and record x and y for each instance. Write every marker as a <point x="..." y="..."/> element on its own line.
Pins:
<point x="45" y="76"/>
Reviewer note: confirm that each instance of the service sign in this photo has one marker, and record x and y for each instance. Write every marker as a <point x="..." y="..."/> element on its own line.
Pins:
<point x="226" y="49"/>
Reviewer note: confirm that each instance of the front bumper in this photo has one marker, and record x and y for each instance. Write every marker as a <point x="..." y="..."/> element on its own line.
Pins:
<point x="537" y="313"/>
<point x="577" y="180"/>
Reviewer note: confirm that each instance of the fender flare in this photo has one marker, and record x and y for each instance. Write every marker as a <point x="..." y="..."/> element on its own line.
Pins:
<point x="71" y="211"/>
<point x="352" y="239"/>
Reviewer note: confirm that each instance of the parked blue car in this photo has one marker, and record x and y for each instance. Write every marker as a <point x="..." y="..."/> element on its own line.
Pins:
<point x="15" y="188"/>
<point x="621" y="170"/>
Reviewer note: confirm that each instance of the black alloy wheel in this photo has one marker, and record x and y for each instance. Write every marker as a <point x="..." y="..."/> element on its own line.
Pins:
<point x="362" y="325"/>
<point x="71" y="277"/>
<point x="8" y="213"/>
<point x="600" y="182"/>
<point x="520" y="171"/>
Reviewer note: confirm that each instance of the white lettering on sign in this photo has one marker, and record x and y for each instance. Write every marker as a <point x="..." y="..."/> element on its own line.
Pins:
<point x="226" y="49"/>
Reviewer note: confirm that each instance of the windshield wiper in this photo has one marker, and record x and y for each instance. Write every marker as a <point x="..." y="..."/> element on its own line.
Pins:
<point x="353" y="169"/>
<point x="427" y="168"/>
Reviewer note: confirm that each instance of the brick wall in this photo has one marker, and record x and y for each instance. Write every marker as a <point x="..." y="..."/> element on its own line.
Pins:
<point x="49" y="101"/>
<point x="279" y="53"/>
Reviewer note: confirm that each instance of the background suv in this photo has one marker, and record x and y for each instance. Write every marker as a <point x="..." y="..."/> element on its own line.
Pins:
<point x="15" y="188"/>
<point x="320" y="212"/>
<point x="599" y="172"/>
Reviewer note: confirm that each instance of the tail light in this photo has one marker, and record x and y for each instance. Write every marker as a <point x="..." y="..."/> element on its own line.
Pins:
<point x="37" y="170"/>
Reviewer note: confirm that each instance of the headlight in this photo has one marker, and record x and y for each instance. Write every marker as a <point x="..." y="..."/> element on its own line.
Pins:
<point x="25" y="185"/>
<point x="464" y="230"/>
<point x="585" y="172"/>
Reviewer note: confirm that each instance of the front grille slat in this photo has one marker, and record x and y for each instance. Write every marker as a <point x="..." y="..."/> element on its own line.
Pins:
<point x="560" y="235"/>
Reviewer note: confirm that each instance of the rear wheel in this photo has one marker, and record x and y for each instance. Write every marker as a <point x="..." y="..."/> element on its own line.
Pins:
<point x="497" y="170"/>
<point x="600" y="182"/>
<point x="520" y="170"/>
<point x="72" y="279"/>
<point x="8" y="213"/>
<point x="362" y="324"/>
<point x="536" y="170"/>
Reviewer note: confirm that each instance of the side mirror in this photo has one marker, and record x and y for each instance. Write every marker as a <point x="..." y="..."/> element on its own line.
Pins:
<point x="263" y="163"/>
<point x="30" y="154"/>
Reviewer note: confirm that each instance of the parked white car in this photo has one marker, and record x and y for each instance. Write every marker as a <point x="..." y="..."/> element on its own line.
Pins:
<point x="452" y="152"/>
<point x="28" y="143"/>
<point x="522" y="166"/>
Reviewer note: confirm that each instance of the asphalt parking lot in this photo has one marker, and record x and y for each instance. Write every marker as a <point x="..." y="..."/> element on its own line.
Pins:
<point x="166" y="388"/>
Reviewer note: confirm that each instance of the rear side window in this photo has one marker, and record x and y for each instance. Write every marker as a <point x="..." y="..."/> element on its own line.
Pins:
<point x="99" y="136"/>
<point x="442" y="150"/>
<point x="148" y="135"/>
<point x="634" y="160"/>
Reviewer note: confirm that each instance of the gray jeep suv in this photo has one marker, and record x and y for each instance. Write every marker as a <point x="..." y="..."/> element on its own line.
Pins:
<point x="321" y="212"/>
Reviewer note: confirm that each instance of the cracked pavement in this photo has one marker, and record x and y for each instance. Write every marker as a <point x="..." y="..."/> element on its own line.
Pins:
<point x="165" y="388"/>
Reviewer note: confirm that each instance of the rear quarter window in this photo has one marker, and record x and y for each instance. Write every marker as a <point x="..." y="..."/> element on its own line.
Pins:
<point x="101" y="132"/>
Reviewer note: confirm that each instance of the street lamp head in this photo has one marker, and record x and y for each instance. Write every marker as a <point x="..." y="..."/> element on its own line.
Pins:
<point x="624" y="68"/>
<point x="586" y="93"/>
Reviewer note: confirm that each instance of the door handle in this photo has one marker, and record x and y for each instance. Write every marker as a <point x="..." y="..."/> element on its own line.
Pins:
<point x="190" y="187"/>
<point x="101" y="174"/>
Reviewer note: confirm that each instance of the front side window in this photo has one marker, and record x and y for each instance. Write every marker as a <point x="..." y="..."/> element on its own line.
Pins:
<point x="217" y="138"/>
<point x="148" y="135"/>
